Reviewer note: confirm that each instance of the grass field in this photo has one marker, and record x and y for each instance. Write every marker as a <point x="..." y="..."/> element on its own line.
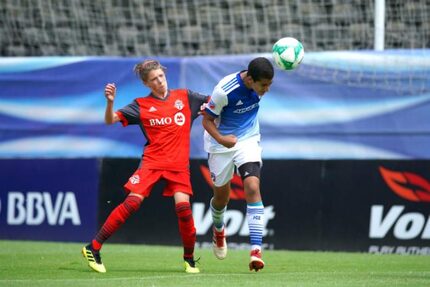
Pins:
<point x="27" y="263"/>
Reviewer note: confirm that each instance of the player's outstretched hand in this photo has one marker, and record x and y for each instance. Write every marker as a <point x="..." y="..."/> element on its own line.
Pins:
<point x="110" y="92"/>
<point x="228" y="141"/>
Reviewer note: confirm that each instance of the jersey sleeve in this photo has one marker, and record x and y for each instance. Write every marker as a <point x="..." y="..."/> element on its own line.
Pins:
<point x="217" y="102"/>
<point x="196" y="100"/>
<point x="130" y="114"/>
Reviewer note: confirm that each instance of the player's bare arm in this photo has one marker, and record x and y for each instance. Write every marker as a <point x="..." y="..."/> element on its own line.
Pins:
<point x="110" y="93"/>
<point x="208" y="122"/>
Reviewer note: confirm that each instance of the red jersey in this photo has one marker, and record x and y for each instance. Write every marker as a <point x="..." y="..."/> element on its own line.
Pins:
<point x="166" y="125"/>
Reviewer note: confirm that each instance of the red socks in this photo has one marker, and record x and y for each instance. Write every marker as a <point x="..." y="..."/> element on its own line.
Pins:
<point x="186" y="228"/>
<point x="130" y="205"/>
<point x="116" y="219"/>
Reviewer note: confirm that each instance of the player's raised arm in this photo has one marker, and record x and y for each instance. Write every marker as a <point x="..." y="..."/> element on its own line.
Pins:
<point x="110" y="116"/>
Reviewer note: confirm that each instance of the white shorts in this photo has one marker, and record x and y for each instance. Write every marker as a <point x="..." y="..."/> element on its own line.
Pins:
<point x="221" y="165"/>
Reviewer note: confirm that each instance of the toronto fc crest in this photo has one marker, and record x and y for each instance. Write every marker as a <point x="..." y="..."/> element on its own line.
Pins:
<point x="179" y="105"/>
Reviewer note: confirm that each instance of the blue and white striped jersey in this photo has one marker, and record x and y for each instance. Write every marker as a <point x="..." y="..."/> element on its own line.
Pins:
<point x="235" y="108"/>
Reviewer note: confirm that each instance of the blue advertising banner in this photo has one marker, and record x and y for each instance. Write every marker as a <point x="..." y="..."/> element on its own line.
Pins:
<point x="335" y="105"/>
<point x="46" y="199"/>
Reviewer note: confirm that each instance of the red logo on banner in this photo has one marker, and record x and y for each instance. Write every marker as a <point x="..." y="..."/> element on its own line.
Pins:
<point x="237" y="191"/>
<point x="407" y="185"/>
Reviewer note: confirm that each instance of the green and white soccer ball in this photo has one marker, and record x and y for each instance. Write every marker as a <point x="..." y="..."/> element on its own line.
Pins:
<point x="288" y="53"/>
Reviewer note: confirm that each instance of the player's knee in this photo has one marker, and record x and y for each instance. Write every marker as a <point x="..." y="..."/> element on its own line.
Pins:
<point x="252" y="186"/>
<point x="132" y="203"/>
<point x="221" y="195"/>
<point x="183" y="208"/>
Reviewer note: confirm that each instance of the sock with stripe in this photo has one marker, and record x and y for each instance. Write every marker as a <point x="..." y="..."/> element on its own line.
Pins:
<point x="116" y="219"/>
<point x="255" y="215"/>
<point x="217" y="216"/>
<point x="186" y="228"/>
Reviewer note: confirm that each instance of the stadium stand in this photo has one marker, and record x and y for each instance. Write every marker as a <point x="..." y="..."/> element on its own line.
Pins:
<point x="202" y="27"/>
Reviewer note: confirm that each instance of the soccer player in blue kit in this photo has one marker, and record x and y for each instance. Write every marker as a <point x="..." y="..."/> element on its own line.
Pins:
<point x="232" y="139"/>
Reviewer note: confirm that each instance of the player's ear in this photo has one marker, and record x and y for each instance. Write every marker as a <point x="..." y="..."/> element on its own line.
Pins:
<point x="247" y="79"/>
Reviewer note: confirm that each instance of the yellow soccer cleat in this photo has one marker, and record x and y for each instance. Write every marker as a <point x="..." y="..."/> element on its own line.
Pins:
<point x="93" y="258"/>
<point x="190" y="266"/>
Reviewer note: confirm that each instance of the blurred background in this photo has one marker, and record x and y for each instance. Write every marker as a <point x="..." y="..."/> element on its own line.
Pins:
<point x="206" y="27"/>
<point x="345" y="136"/>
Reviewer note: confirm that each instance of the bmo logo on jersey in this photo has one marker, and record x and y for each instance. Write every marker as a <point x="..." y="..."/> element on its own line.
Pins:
<point x="178" y="119"/>
<point x="160" y="121"/>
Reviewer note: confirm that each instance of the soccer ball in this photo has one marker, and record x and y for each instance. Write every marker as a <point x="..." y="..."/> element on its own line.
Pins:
<point x="288" y="52"/>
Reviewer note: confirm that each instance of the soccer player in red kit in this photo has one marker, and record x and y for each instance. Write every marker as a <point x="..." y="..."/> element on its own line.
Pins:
<point x="165" y="118"/>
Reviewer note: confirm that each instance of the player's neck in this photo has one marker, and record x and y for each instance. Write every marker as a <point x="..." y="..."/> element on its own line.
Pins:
<point x="244" y="77"/>
<point x="160" y="95"/>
